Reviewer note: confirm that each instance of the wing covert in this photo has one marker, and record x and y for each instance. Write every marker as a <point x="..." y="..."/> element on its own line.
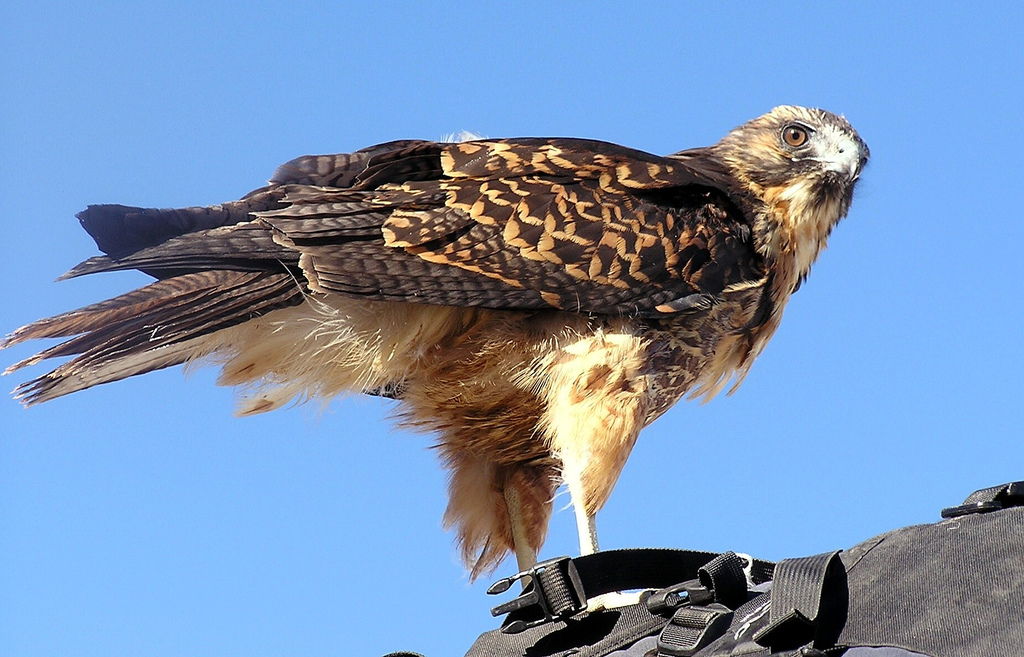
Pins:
<point x="528" y="224"/>
<point x="523" y="225"/>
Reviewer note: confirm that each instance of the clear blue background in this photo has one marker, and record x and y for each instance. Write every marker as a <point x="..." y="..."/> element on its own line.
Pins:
<point x="141" y="518"/>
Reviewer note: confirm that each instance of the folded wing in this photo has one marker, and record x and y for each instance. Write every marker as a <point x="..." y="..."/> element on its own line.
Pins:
<point x="520" y="225"/>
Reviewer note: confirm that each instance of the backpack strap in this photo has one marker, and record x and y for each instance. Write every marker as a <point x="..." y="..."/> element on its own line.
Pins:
<point x="808" y="602"/>
<point x="559" y="588"/>
<point x="692" y="628"/>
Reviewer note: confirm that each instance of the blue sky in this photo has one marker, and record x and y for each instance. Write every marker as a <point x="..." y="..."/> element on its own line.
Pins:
<point x="141" y="518"/>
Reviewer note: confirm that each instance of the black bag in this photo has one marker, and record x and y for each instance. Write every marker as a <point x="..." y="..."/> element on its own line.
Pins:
<point x="954" y="588"/>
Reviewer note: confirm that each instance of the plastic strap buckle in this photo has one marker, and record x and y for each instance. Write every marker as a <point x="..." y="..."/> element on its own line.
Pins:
<point x="690" y="592"/>
<point x="553" y="591"/>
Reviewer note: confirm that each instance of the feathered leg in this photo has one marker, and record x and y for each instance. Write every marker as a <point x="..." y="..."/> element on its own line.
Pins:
<point x="495" y="509"/>
<point x="597" y="403"/>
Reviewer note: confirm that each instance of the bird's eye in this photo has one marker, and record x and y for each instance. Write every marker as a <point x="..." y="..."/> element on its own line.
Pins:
<point x="795" y="135"/>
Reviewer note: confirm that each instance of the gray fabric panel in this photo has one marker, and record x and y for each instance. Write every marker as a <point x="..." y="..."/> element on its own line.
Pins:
<point x="952" y="588"/>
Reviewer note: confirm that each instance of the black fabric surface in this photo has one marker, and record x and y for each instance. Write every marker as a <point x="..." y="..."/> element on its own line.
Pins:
<point x="952" y="588"/>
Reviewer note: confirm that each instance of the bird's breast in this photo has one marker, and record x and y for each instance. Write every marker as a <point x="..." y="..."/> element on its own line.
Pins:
<point x="698" y="353"/>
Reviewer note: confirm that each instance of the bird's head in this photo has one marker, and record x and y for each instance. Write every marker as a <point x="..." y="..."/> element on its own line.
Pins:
<point x="803" y="165"/>
<point x="796" y="150"/>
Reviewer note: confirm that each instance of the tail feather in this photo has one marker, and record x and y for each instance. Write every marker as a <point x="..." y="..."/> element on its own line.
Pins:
<point x="89" y="318"/>
<point x="157" y="321"/>
<point x="151" y="328"/>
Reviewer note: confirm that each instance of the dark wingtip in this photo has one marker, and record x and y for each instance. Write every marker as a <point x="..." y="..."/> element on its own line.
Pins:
<point x="108" y="227"/>
<point x="121" y="230"/>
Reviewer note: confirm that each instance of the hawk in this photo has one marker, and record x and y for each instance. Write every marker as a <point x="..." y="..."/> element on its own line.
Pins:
<point x="533" y="302"/>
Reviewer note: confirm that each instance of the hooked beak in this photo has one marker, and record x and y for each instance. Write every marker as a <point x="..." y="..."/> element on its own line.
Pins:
<point x="847" y="158"/>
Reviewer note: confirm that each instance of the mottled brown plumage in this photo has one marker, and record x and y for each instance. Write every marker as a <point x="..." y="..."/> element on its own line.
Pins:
<point x="535" y="302"/>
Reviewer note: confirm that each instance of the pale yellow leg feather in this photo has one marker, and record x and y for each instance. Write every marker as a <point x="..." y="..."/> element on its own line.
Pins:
<point x="597" y="403"/>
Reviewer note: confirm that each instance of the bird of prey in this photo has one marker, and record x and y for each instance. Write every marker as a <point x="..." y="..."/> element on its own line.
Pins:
<point x="533" y="302"/>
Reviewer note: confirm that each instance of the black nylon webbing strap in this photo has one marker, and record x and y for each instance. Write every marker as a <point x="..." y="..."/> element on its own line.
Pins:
<point x="623" y="570"/>
<point x="554" y="591"/>
<point x="596" y="574"/>
<point x="801" y="591"/>
<point x="692" y="628"/>
<point x="559" y="592"/>
<point x="761" y="571"/>
<point x="650" y="568"/>
<point x="724" y="575"/>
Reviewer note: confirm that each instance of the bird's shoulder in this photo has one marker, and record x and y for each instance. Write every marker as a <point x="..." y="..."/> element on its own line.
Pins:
<point x="401" y="161"/>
